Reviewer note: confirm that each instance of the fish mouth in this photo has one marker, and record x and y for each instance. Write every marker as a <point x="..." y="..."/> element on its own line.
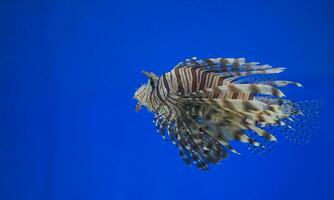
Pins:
<point x="138" y="106"/>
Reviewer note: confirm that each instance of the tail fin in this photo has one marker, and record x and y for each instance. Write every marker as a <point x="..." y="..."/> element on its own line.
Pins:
<point x="298" y="128"/>
<point x="303" y="123"/>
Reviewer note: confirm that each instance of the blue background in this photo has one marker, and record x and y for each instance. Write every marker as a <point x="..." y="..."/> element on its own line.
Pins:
<point x="69" y="69"/>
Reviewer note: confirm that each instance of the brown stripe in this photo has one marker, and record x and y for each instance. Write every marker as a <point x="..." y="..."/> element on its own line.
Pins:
<point x="254" y="89"/>
<point x="194" y="82"/>
<point x="267" y="135"/>
<point x="179" y="82"/>
<point x="233" y="88"/>
<point x="261" y="118"/>
<point x="223" y="63"/>
<point x="187" y="81"/>
<point x="229" y="104"/>
<point x="237" y="136"/>
<point x="209" y="62"/>
<point x="235" y="95"/>
<point x="220" y="81"/>
<point x="158" y="90"/>
<point x="248" y="106"/>
<point x="211" y="80"/>
<point x="203" y="79"/>
<point x="165" y="83"/>
<point x="275" y="92"/>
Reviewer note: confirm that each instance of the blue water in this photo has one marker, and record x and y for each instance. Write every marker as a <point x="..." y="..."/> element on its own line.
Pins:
<point x="69" y="69"/>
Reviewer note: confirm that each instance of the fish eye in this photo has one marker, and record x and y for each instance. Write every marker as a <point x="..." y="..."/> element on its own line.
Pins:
<point x="152" y="83"/>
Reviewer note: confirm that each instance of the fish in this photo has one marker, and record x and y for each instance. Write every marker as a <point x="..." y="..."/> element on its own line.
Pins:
<point x="202" y="106"/>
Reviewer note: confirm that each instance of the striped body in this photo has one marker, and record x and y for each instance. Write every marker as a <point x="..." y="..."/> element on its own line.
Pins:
<point x="203" y="105"/>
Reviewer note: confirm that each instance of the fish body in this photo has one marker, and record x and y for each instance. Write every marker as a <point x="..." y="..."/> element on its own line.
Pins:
<point x="204" y="105"/>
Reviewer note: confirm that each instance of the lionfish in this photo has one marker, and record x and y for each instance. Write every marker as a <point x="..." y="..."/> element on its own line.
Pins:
<point x="203" y="105"/>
